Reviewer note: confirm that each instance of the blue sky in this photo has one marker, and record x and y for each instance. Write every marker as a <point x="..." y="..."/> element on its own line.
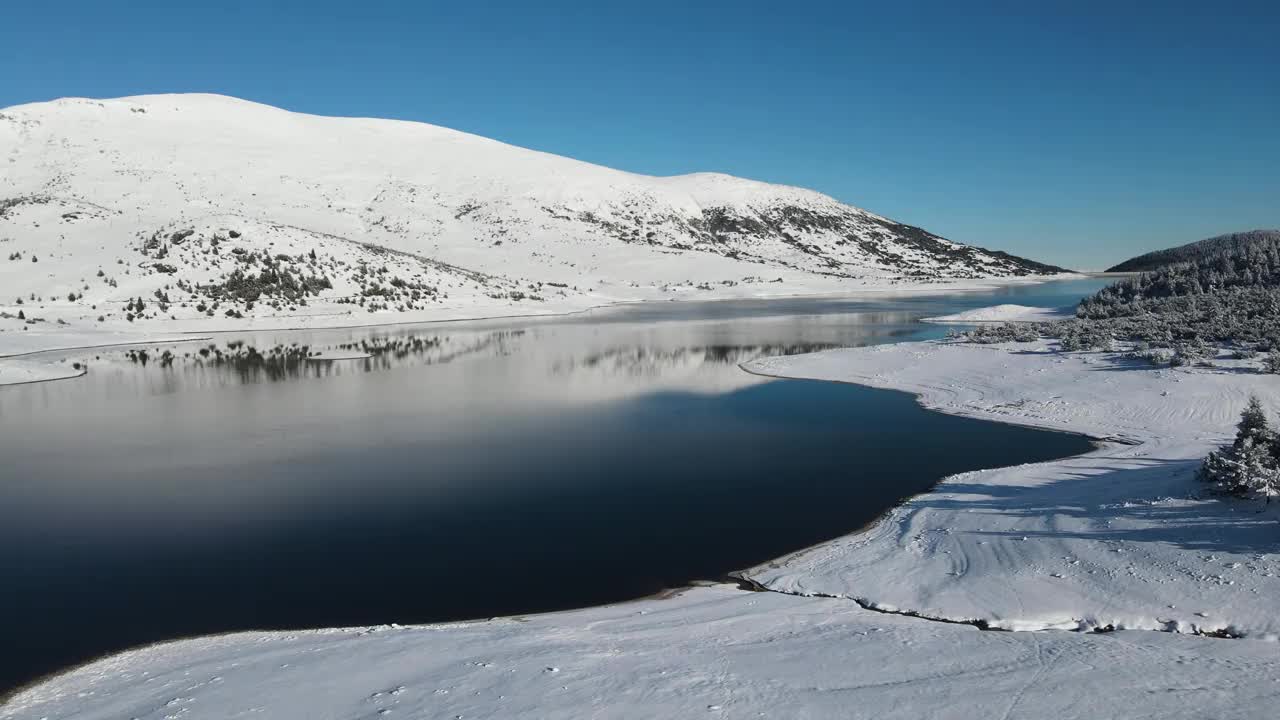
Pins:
<point x="1072" y="132"/>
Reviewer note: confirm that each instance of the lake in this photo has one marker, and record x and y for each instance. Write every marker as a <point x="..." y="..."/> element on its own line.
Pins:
<point x="460" y="470"/>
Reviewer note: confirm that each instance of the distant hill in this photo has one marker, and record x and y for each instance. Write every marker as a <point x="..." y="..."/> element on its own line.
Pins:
<point x="1196" y="250"/>
<point x="1229" y="297"/>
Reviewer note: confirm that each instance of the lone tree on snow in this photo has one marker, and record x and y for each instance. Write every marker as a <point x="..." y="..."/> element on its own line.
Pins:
<point x="1251" y="464"/>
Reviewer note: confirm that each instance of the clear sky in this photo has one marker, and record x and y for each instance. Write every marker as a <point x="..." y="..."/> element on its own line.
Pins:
<point x="1072" y="132"/>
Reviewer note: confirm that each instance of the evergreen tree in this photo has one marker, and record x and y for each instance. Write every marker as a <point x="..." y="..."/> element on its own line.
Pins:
<point x="1253" y="424"/>
<point x="1250" y="465"/>
<point x="1261" y="475"/>
<point x="1253" y="460"/>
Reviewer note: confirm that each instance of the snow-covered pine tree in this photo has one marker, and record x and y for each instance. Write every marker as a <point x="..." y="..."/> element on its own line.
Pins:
<point x="1250" y="465"/>
<point x="1256" y="466"/>
<point x="1222" y="469"/>
<point x="1265" y="479"/>
<point x="1253" y="424"/>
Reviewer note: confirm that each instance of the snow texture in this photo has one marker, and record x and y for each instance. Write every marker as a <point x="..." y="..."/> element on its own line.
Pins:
<point x="1122" y="537"/>
<point x="708" y="652"/>
<point x="19" y="372"/>
<point x="1005" y="313"/>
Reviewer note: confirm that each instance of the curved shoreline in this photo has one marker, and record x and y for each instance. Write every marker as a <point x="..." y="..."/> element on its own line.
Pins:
<point x="779" y="560"/>
<point x="745" y="575"/>
<point x="742" y="574"/>
<point x="620" y="305"/>
<point x="443" y="636"/>
<point x="738" y="576"/>
<point x="1006" y="545"/>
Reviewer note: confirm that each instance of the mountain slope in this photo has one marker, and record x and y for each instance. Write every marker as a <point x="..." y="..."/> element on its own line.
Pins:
<point x="204" y="206"/>
<point x="1196" y="251"/>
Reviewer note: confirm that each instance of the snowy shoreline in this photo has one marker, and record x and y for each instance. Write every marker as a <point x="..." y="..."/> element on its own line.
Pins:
<point x="1120" y="537"/>
<point x="1116" y="540"/>
<point x="15" y="343"/>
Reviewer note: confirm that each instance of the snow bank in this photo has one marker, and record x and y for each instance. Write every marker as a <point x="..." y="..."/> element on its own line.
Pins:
<point x="1004" y="313"/>
<point x="18" y="372"/>
<point x="709" y="652"/>
<point x="21" y="352"/>
<point x="1120" y="537"/>
<point x="14" y="343"/>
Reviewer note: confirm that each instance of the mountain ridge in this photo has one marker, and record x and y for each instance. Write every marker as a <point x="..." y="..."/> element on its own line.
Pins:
<point x="261" y="211"/>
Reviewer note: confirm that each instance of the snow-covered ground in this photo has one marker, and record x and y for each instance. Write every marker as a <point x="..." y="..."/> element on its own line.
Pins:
<point x="1005" y="313"/>
<point x="1120" y="537"/>
<point x="46" y="339"/>
<point x="708" y="652"/>
<point x="18" y="372"/>
<point x="23" y="357"/>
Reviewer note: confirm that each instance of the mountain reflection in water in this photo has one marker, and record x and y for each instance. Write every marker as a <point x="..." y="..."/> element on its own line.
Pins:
<point x="450" y="471"/>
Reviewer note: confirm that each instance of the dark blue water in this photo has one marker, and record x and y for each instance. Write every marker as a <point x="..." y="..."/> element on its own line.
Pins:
<point x="458" y="472"/>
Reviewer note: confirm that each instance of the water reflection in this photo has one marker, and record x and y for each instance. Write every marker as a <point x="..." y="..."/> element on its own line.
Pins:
<point x="450" y="471"/>
<point x="693" y="355"/>
<point x="646" y="341"/>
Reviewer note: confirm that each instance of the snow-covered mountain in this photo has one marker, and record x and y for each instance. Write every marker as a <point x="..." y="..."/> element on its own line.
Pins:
<point x="204" y="206"/>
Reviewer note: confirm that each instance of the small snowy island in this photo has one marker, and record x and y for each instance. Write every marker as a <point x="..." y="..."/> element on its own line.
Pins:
<point x="1004" y="313"/>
